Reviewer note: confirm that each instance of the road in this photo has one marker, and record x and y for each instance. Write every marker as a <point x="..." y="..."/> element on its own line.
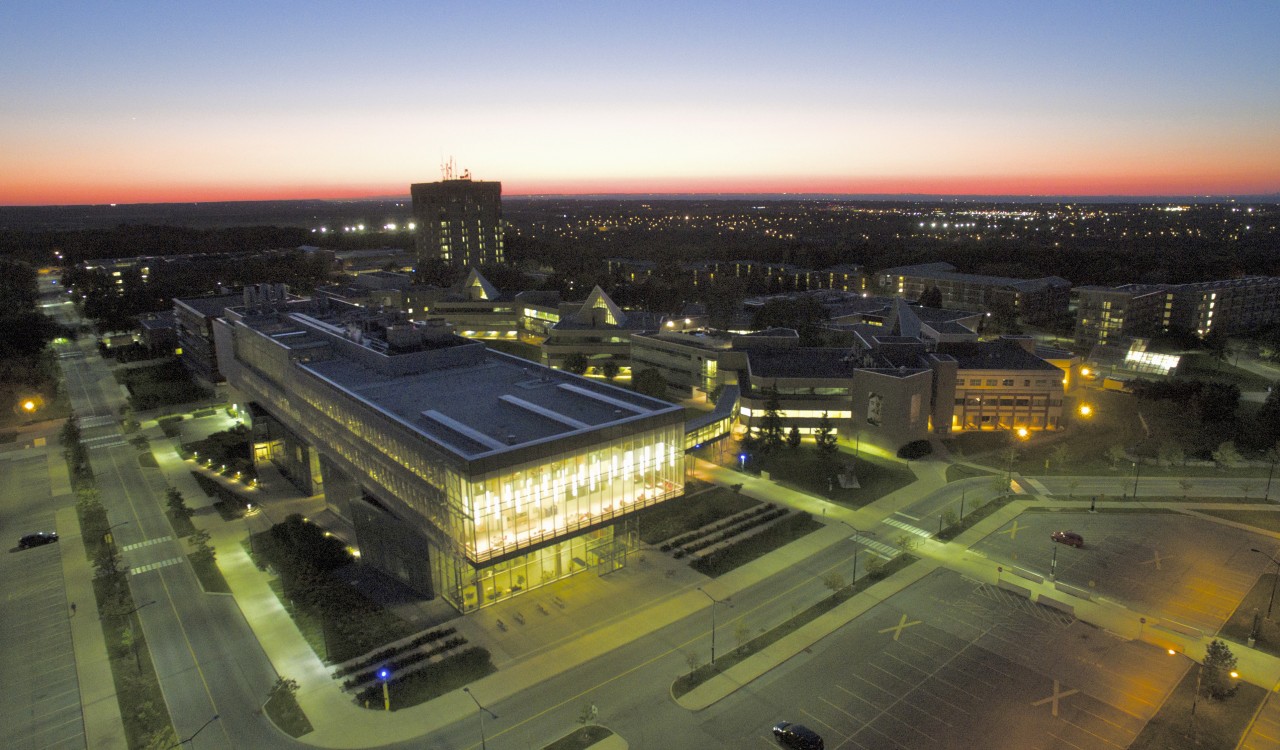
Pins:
<point x="206" y="657"/>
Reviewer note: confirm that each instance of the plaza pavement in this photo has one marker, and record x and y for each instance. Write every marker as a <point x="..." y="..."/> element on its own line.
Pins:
<point x="340" y="723"/>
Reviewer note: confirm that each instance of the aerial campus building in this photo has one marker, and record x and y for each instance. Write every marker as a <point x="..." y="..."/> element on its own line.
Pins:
<point x="465" y="473"/>
<point x="458" y="221"/>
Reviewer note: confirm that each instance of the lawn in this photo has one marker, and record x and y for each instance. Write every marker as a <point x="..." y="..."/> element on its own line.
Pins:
<point x="1118" y="419"/>
<point x="783" y="532"/>
<point x="581" y="738"/>
<point x="1268" y="520"/>
<point x="807" y="470"/>
<point x="283" y="710"/>
<point x="517" y="348"/>
<point x="1217" y="725"/>
<point x="162" y="384"/>
<point x="1203" y="366"/>
<point x="211" y="579"/>
<point x="338" y="621"/>
<point x="674" y="517"/>
<point x="1256" y="605"/>
<point x="432" y="681"/>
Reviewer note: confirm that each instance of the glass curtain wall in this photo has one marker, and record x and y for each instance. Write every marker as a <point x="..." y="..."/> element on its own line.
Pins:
<point x="529" y="504"/>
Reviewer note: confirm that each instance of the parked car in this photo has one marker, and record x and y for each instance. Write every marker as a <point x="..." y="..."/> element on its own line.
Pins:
<point x="796" y="736"/>
<point x="1069" y="538"/>
<point x="38" y="539"/>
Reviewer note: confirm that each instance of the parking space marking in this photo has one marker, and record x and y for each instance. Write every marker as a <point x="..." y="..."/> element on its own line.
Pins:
<point x="1057" y="696"/>
<point x="902" y="625"/>
<point x="1012" y="531"/>
<point x="1100" y="737"/>
<point x="1062" y="739"/>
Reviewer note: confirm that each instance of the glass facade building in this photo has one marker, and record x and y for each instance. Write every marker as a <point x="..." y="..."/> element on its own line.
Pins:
<point x="466" y="473"/>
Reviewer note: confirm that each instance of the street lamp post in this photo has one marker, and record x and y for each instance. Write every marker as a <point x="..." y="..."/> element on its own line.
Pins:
<point x="1275" y="456"/>
<point x="480" y="711"/>
<point x="714" y="602"/>
<point x="1137" y="472"/>
<point x="384" y="674"/>
<point x="1272" y="600"/>
<point x="742" y="462"/>
<point x="193" y="734"/>
<point x="857" y="542"/>
<point x="108" y="537"/>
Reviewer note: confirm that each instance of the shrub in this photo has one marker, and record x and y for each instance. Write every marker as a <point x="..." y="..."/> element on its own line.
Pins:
<point x="915" y="449"/>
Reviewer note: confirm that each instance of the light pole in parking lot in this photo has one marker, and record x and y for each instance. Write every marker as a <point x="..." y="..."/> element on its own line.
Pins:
<point x="1137" y="472"/>
<point x="856" y="542"/>
<point x="480" y="711"/>
<point x="1273" y="580"/>
<point x="714" y="602"/>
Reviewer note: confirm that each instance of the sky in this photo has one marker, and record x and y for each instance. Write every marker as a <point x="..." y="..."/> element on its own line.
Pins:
<point x="127" y="101"/>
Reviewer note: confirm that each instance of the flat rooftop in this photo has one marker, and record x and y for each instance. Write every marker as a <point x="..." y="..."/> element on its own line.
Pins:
<point x="491" y="404"/>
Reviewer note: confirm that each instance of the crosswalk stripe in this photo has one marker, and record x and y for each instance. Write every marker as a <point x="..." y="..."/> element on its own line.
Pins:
<point x="146" y="543"/>
<point x="907" y="527"/>
<point x="154" y="565"/>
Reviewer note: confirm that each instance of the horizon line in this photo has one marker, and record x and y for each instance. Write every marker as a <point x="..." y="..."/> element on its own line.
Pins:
<point x="782" y="195"/>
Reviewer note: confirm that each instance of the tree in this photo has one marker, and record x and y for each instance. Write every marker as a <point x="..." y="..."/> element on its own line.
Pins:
<point x="1115" y="454"/>
<point x="1215" y="677"/>
<point x="1186" y="485"/>
<point x="649" y="382"/>
<point x="576" y="363"/>
<point x="177" y="503"/>
<point x="931" y="297"/>
<point x="826" y="436"/>
<point x="834" y="581"/>
<point x="1171" y="453"/>
<point x="201" y="541"/>
<point x="793" y="437"/>
<point x="771" y="424"/>
<point x="610" y="370"/>
<point x="742" y="633"/>
<point x="1060" y="456"/>
<point x="1226" y="455"/>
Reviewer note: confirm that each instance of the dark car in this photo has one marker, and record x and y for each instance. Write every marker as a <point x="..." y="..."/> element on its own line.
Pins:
<point x="1069" y="538"/>
<point x="796" y="736"/>
<point x="38" y="539"/>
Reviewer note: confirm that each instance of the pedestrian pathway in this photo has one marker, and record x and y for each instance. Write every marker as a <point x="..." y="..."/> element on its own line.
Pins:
<point x="103" y="727"/>
<point x="527" y="658"/>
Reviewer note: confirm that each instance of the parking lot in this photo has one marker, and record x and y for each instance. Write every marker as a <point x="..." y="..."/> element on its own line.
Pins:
<point x="1167" y="565"/>
<point x="953" y="663"/>
<point x="41" y="707"/>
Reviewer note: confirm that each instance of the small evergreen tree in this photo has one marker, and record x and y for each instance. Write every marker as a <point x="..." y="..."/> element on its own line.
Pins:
<point x="826" y="436"/>
<point x="793" y="437"/>
<point x="1219" y="663"/>
<point x="771" y="434"/>
<point x="610" y="370"/>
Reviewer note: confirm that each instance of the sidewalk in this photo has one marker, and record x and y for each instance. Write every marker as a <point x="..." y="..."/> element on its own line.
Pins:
<point x="103" y="727"/>
<point x="554" y="642"/>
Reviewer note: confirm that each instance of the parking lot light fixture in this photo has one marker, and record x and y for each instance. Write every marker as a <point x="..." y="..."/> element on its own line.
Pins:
<point x="1271" y="602"/>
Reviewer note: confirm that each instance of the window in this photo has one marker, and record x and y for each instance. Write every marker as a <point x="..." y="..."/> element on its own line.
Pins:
<point x="991" y="381"/>
<point x="1006" y="382"/>
<point x="975" y="381"/>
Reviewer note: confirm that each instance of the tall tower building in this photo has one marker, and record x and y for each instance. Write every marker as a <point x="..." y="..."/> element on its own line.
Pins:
<point x="459" y="221"/>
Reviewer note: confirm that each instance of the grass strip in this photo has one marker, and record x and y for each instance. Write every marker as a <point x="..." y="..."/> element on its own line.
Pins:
<point x="705" y="672"/>
<point x="581" y="738"/>
<point x="1216" y="725"/>
<point x="974" y="516"/>
<point x="736" y="555"/>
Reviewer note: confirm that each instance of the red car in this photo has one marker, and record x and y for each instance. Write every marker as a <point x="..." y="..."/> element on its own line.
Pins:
<point x="1069" y="538"/>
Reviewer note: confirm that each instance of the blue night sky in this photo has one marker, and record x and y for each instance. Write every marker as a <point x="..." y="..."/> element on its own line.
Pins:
<point x="153" y="101"/>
